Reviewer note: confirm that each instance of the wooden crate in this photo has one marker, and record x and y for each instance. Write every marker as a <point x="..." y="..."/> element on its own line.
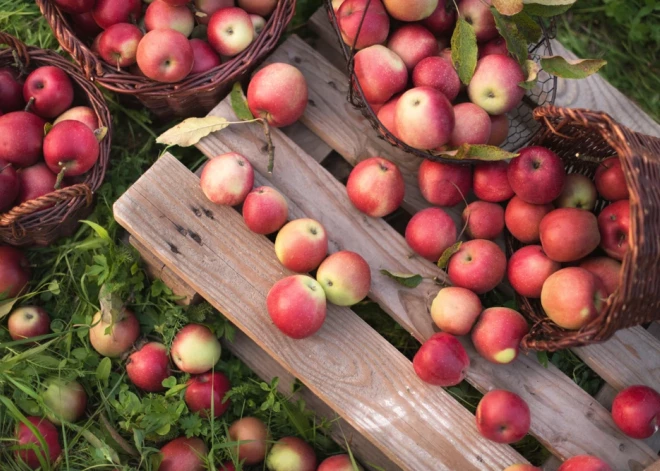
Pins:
<point x="391" y="418"/>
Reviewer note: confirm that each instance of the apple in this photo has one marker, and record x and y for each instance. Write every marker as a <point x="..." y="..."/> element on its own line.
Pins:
<point x="258" y="7"/>
<point x="537" y="175"/>
<point x="523" y="220"/>
<point x="227" y="179"/>
<point x="84" y="114"/>
<point x="253" y="435"/>
<point x="498" y="333"/>
<point x="424" y="118"/>
<point x="345" y="277"/>
<point x="380" y="72"/>
<point x="430" y="232"/>
<point x="491" y="183"/>
<point x="412" y="43"/>
<point x="607" y="270"/>
<point x="528" y="269"/>
<point x="195" y="349"/>
<point x="109" y="12"/>
<point x="441" y="360"/>
<point x="34" y="182"/>
<point x="50" y="90"/>
<point x="494" y="85"/>
<point x="206" y="392"/>
<point x="9" y="186"/>
<point x="503" y="416"/>
<point x="227" y="466"/>
<point x="442" y="20"/>
<point x="14" y="272"/>
<point x="636" y="411"/>
<point x="33" y="450"/>
<point x="569" y="234"/>
<point x="372" y="30"/>
<point x="21" y="138"/>
<point x="75" y="6"/>
<point x="444" y="184"/>
<point x="230" y="31"/>
<point x="258" y="23"/>
<point x="472" y="125"/>
<point x="119" y="43"/>
<point x="291" y="454"/>
<point x="176" y="3"/>
<point x="494" y="46"/>
<point x="455" y="310"/>
<point x="11" y="92"/>
<point x="65" y="401"/>
<point x="483" y="220"/>
<point x="339" y="463"/>
<point x="301" y="245"/>
<point x="614" y="227"/>
<point x="438" y="73"/>
<point x="184" y="454"/>
<point x="411" y="10"/>
<point x="610" y="180"/>
<point x="499" y="130"/>
<point x="209" y="7"/>
<point x="71" y="147"/>
<point x="522" y="467"/>
<point x="161" y="15"/>
<point x="27" y="322"/>
<point x="386" y="115"/>
<point x="113" y="339"/>
<point x="479" y="265"/>
<point x="149" y="366"/>
<point x="297" y="306"/>
<point x="165" y="55"/>
<point x="265" y="210"/>
<point x="375" y="186"/>
<point x="478" y="14"/>
<point x="579" y="192"/>
<point x="572" y="297"/>
<point x="84" y="25"/>
<point x="278" y="93"/>
<point x="584" y="463"/>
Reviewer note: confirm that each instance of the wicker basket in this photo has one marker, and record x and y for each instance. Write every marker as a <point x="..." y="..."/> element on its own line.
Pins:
<point x="197" y="94"/>
<point x="29" y="223"/>
<point x="583" y="139"/>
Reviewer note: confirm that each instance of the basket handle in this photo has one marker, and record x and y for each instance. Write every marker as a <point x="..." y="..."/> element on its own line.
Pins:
<point x="17" y="46"/>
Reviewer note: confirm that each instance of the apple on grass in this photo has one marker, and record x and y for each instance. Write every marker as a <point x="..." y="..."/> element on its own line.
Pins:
<point x="65" y="401"/>
<point x="21" y="138"/>
<point x="278" y="93"/>
<point x="113" y="338"/>
<point x="380" y="72"/>
<point x="375" y="186"/>
<point x="441" y="360"/>
<point x="339" y="463"/>
<point x="444" y="184"/>
<point x="230" y="31"/>
<point x="14" y="272"/>
<point x="109" y="12"/>
<point x="606" y="269"/>
<point x="494" y="85"/>
<point x="301" y="245"/>
<point x="161" y="15"/>
<point x="291" y="454"/>
<point x="503" y="416"/>
<point x="165" y="55"/>
<point x="252" y="436"/>
<point x="27" y="322"/>
<point x="345" y="277"/>
<point x="227" y="466"/>
<point x="71" y="147"/>
<point x="490" y="182"/>
<point x="297" y="306"/>
<point x="31" y="451"/>
<point x="438" y="73"/>
<point x="11" y="91"/>
<point x="184" y="454"/>
<point x="265" y="210"/>
<point x="537" y="175"/>
<point x="614" y="227"/>
<point x="195" y="349"/>
<point x="412" y="43"/>
<point x="498" y="333"/>
<point x="579" y="192"/>
<point x="430" y="232"/>
<point x="373" y="29"/>
<point x="118" y="44"/>
<point x="528" y="269"/>
<point x="9" y="186"/>
<point x="227" y="179"/>
<point x="410" y="10"/>
<point x="636" y="411"/>
<point x="442" y="20"/>
<point x="455" y="310"/>
<point x="149" y="366"/>
<point x="499" y="130"/>
<point x="483" y="220"/>
<point x="584" y="463"/>
<point x="206" y="392"/>
<point x="479" y="265"/>
<point x="523" y="220"/>
<point x="424" y="118"/>
<point x="205" y="56"/>
<point x="84" y="114"/>
<point x="569" y="234"/>
<point x="49" y="90"/>
<point x="34" y="182"/>
<point x="610" y="180"/>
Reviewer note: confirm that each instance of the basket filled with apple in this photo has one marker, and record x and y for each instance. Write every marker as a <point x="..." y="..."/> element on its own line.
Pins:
<point x="178" y="58"/>
<point x="55" y="131"/>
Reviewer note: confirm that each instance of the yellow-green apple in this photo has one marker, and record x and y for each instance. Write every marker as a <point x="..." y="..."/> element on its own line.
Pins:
<point x="165" y="55"/>
<point x="50" y="90"/>
<point x="503" y="416"/>
<point x="483" y="220"/>
<point x="430" y="232"/>
<point x="572" y="297"/>
<point x="494" y="46"/>
<point x="11" y="92"/>
<point x="386" y="115"/>
<point x="412" y="43"/>
<point x="523" y="220"/>
<point x="149" y="366"/>
<point x="610" y="180"/>
<point x="605" y="268"/>
<point x="75" y="6"/>
<point x="71" y="147"/>
<point x="424" y="118"/>
<point x="206" y="392"/>
<point x="209" y="7"/>
<point x="380" y="72"/>
<point x="442" y="20"/>
<point x="227" y="179"/>
<point x="410" y="10"/>
<point x="32" y="452"/>
<point x="522" y="467"/>
<point x="472" y="125"/>
<point x="372" y="30"/>
<point x="84" y="114"/>
<point x="499" y="129"/>
<point x="579" y="192"/>
<point x="258" y="23"/>
<point x="253" y="436"/>
<point x="614" y="227"/>
<point x="14" y="272"/>
<point x="301" y="245"/>
<point x="498" y="333"/>
<point x="444" y="184"/>
<point x="569" y="234"/>
<point x="291" y="454"/>
<point x="297" y="306"/>
<point x="258" y="7"/>
<point x="27" y="322"/>
<point x="339" y="463"/>
<point x="84" y="25"/>
<point x="118" y="44"/>
<point x="455" y="310"/>
<point x="479" y="265"/>
<point x="184" y="454"/>
<point x="375" y="186"/>
<point x="230" y="31"/>
<point x="65" y="401"/>
<point x="109" y="12"/>
<point x="636" y="411"/>
<point x="441" y="360"/>
<point x="494" y="85"/>
<point x="9" y="186"/>
<point x="161" y="15"/>
<point x="34" y="182"/>
<point x="584" y="463"/>
<point x="21" y="138"/>
<point x="490" y="182"/>
<point x="278" y="93"/>
<point x="537" y="175"/>
<point x="345" y="277"/>
<point x="265" y="210"/>
<point x="195" y="349"/>
<point x="438" y="73"/>
<point x="528" y="269"/>
<point x="114" y="338"/>
<point x="205" y="56"/>
<point x="478" y="14"/>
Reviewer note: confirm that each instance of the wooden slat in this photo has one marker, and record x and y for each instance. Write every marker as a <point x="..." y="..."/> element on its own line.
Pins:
<point x="347" y="364"/>
<point x="307" y="140"/>
<point x="654" y="467"/>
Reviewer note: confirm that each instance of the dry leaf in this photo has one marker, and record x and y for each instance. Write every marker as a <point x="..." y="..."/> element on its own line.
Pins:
<point x="508" y="7"/>
<point x="192" y="130"/>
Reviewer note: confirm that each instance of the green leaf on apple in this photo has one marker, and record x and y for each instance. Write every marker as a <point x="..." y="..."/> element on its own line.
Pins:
<point x="516" y="43"/>
<point x="47" y="128"/>
<point x="547" y="8"/>
<point x="477" y="152"/>
<point x="464" y="50"/>
<point x="571" y="69"/>
<point x="6" y="306"/>
<point x="508" y="7"/>
<point x="528" y="27"/>
<point x="406" y="279"/>
<point x="531" y="70"/>
<point x="239" y="103"/>
<point x="443" y="261"/>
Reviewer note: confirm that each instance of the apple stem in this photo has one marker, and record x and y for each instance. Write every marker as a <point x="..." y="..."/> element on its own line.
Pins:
<point x="60" y="177"/>
<point x="271" y="148"/>
<point x="29" y="104"/>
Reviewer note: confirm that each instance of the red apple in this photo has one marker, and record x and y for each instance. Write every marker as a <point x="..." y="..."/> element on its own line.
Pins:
<point x="528" y="269"/>
<point x="75" y="6"/>
<point x="64" y="400"/>
<point x="614" y="227"/>
<point x="455" y="310"/>
<point x="380" y="72"/>
<point x="258" y="7"/>
<point x="176" y="3"/>
<point x="522" y="467"/>
<point x="523" y="220"/>
<point x="584" y="463"/>
<point x="291" y="454"/>
<point x="118" y="44"/>
<point x="479" y="265"/>
<point x="184" y="454"/>
<point x="498" y="333"/>
<point x="71" y="147"/>
<point x="491" y="183"/>
<point x="386" y="115"/>
<point x="424" y="118"/>
<point x="161" y="15"/>
<point x="27" y="322"/>
<point x="11" y="92"/>
<point x="499" y="130"/>
<point x="301" y="245"/>
<point x="372" y="30"/>
<point x="494" y="85"/>
<point x="14" y="272"/>
<point x="209" y="7"/>
<point x="265" y="210"/>
<point x="537" y="175"/>
<point x="227" y="466"/>
<point x="33" y="450"/>
<point x="569" y="234"/>
<point x="21" y="138"/>
<point x="206" y="392"/>
<point x="230" y="31"/>
<point x="483" y="220"/>
<point x="444" y="184"/>
<point x="345" y="277"/>
<point x="278" y="93"/>
<point x="438" y="73"/>
<point x="610" y="180"/>
<point x="34" y="182"/>
<point x="205" y="56"/>
<point x="165" y="55"/>
<point x="606" y="269"/>
<point x="503" y="416"/>
<point x="50" y="89"/>
<point x="430" y="232"/>
<point x="84" y="114"/>
<point x="442" y="20"/>
<point x="472" y="125"/>
<point x="120" y="337"/>
<point x="258" y="23"/>
<point x="195" y="349"/>
<point x="297" y="306"/>
<point x="109" y="12"/>
<point x="410" y="10"/>
<point x="339" y="463"/>
<point x="478" y="14"/>
<point x="375" y="187"/>
<point x="253" y="434"/>
<point x="149" y="366"/>
<point x="84" y="25"/>
<point x="494" y="46"/>
<point x="9" y="186"/>
<point x="227" y="179"/>
<point x="441" y="360"/>
<point x="579" y="192"/>
<point x="412" y="43"/>
<point x="636" y="411"/>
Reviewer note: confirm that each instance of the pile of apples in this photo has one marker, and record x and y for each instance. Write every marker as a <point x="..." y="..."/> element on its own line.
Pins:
<point x="415" y="53"/>
<point x="154" y="40"/>
<point x="32" y="154"/>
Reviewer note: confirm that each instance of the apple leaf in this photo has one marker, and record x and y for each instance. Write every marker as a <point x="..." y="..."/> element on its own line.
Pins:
<point x="477" y="152"/>
<point x="239" y="103"/>
<point x="531" y="70"/>
<point x="508" y="7"/>
<point x="100" y="133"/>
<point x="542" y="357"/>
<point x="547" y="8"/>
<point x="516" y="43"/>
<point x="47" y="128"/>
<point x="405" y="279"/>
<point x="192" y="130"/>
<point x="464" y="50"/>
<point x="103" y="370"/>
<point x="443" y="261"/>
<point x="527" y="27"/>
<point x="6" y="306"/>
<point x="571" y="69"/>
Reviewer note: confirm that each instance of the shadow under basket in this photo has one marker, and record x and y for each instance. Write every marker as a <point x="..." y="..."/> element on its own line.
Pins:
<point x="583" y="139"/>
<point x="43" y="220"/>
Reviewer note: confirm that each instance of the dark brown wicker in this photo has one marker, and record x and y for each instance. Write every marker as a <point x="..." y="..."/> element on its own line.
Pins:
<point x="29" y="223"/>
<point x="583" y="139"/>
<point x="197" y="94"/>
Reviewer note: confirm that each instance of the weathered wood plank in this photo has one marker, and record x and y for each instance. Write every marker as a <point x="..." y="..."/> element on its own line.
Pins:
<point x="654" y="467"/>
<point x="307" y="140"/>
